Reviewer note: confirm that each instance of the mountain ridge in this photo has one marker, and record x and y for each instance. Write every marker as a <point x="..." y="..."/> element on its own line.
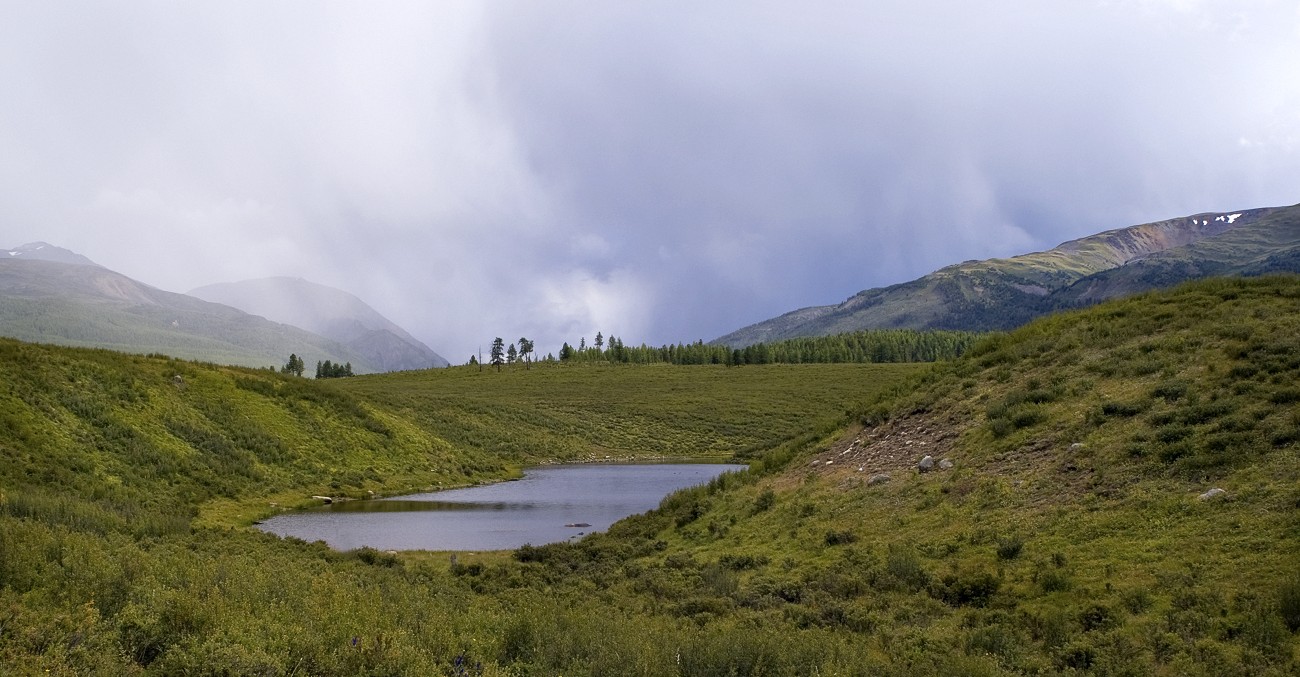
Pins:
<point x="329" y="312"/>
<point x="80" y="305"/>
<point x="44" y="251"/>
<point x="1002" y="293"/>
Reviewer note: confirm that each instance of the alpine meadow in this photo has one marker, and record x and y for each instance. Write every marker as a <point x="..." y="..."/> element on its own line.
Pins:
<point x="1114" y="491"/>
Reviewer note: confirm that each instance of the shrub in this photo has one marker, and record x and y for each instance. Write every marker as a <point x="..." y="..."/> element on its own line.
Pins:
<point x="1000" y="427"/>
<point x="1122" y="409"/>
<point x="1136" y="600"/>
<point x="1170" y="391"/>
<point x="840" y="537"/>
<point x="1097" y="617"/>
<point x="1009" y="547"/>
<point x="967" y="589"/>
<point x="903" y="564"/>
<point x="741" y="562"/>
<point x="1289" y="604"/>
<point x="374" y="557"/>
<point x="1053" y="580"/>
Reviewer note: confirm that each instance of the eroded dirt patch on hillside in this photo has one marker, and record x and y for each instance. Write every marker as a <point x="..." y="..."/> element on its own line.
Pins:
<point x="893" y="447"/>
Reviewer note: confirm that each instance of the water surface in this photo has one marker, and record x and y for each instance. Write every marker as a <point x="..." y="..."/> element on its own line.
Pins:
<point x="550" y="503"/>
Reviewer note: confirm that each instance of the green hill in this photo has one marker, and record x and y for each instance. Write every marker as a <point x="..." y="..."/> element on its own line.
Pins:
<point x="90" y="306"/>
<point x="1067" y="538"/>
<point x="1000" y="294"/>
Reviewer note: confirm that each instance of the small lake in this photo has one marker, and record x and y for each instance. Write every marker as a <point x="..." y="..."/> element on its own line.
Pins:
<point x="536" y="509"/>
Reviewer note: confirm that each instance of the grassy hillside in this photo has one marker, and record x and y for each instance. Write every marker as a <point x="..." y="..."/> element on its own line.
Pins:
<point x="999" y="294"/>
<point x="1068" y="538"/>
<point x="587" y="412"/>
<point x="120" y="473"/>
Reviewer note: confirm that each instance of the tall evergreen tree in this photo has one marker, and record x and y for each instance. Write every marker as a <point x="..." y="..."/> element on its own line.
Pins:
<point x="294" y="366"/>
<point x="498" y="352"/>
<point x="525" y="349"/>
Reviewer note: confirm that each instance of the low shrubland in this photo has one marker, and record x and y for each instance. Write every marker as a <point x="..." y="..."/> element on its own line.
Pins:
<point x="1069" y="536"/>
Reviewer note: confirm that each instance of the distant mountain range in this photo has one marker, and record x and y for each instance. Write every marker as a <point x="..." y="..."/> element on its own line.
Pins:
<point x="330" y="312"/>
<point x="53" y="295"/>
<point x="1000" y="294"/>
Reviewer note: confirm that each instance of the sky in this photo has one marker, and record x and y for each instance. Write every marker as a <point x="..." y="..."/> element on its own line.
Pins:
<point x="660" y="171"/>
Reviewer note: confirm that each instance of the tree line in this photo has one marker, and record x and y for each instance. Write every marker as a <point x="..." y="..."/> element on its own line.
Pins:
<point x="326" y="369"/>
<point x="876" y="345"/>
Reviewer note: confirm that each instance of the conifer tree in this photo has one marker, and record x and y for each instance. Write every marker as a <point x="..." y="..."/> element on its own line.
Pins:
<point x="525" y="349"/>
<point x="498" y="352"/>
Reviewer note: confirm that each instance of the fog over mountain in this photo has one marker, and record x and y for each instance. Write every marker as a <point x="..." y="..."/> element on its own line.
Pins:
<point x="658" y="171"/>
<point x="332" y="313"/>
<point x="41" y="251"/>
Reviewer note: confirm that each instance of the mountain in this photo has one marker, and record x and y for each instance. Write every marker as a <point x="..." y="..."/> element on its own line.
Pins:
<point x="52" y="295"/>
<point x="43" y="251"/>
<point x="330" y="312"/>
<point x="998" y="294"/>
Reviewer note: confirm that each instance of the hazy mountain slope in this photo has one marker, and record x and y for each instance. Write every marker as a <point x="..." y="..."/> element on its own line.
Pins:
<point x="330" y="312"/>
<point x="43" y="251"/>
<point x="86" y="305"/>
<point x="1004" y="293"/>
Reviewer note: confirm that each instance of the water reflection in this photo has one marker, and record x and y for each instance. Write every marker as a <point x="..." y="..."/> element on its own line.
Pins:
<point x="549" y="504"/>
<point x="402" y="505"/>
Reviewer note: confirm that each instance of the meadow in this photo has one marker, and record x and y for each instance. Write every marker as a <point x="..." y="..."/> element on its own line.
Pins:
<point x="1068" y="537"/>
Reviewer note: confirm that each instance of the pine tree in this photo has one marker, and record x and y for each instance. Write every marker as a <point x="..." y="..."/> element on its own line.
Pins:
<point x="498" y="352"/>
<point x="525" y="349"/>
<point x="295" y="366"/>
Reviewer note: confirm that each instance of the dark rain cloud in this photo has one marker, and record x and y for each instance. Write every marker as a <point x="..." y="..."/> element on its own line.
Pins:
<point x="661" y="171"/>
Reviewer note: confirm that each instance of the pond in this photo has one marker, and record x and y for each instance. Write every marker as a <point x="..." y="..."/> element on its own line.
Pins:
<point x="549" y="504"/>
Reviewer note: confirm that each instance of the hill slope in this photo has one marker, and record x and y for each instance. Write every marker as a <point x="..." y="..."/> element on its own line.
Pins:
<point x="1124" y="499"/>
<point x="330" y="312"/>
<point x="1000" y="294"/>
<point x="87" y="305"/>
<point x="1067" y="539"/>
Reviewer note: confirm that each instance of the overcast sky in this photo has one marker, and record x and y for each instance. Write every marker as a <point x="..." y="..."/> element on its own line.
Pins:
<point x="661" y="171"/>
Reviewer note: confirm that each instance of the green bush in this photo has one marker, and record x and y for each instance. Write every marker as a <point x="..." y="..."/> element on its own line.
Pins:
<point x="1009" y="547"/>
<point x="1289" y="604"/>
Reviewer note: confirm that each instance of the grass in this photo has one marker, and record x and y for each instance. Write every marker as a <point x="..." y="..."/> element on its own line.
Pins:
<point x="1067" y="540"/>
<point x="590" y="412"/>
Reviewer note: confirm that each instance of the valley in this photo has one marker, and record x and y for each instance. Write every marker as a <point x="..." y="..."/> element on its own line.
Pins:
<point x="1074" y="531"/>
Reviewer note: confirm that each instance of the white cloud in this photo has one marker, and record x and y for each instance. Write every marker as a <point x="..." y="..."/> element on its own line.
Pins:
<point x="664" y="172"/>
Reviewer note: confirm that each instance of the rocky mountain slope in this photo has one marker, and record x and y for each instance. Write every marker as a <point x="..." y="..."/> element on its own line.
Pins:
<point x="1000" y="294"/>
<point x="330" y="312"/>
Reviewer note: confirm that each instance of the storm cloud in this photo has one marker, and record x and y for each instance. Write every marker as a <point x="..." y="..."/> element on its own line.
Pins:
<point x="660" y="171"/>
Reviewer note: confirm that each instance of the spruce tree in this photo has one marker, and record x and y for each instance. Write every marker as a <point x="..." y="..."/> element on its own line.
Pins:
<point x="498" y="352"/>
